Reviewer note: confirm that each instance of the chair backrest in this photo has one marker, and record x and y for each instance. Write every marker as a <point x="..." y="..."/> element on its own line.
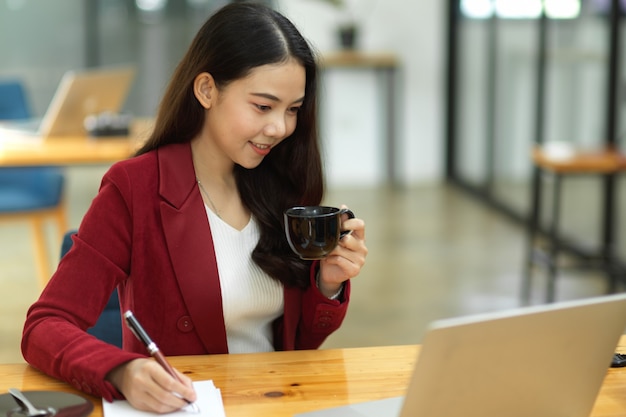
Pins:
<point x="13" y="102"/>
<point x="109" y="325"/>
<point x="25" y="188"/>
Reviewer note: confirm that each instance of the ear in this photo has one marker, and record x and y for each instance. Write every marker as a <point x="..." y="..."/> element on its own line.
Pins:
<point x="204" y="89"/>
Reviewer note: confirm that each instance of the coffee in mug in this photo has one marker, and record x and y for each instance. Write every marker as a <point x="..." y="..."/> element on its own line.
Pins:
<point x="314" y="231"/>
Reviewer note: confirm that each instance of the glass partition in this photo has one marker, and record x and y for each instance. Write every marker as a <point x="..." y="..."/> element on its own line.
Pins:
<point x="505" y="100"/>
<point x="41" y="40"/>
<point x="496" y="96"/>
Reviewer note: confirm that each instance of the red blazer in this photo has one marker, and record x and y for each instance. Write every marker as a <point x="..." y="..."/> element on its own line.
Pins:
<point x="147" y="234"/>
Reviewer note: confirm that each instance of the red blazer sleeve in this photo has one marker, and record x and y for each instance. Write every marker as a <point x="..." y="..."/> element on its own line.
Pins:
<point x="54" y="338"/>
<point x="125" y="241"/>
<point x="309" y="316"/>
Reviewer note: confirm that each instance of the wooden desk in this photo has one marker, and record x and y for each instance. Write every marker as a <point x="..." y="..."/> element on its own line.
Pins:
<point x="281" y="384"/>
<point x="70" y="150"/>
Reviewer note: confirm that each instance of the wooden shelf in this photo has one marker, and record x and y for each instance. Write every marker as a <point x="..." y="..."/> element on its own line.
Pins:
<point x="358" y="59"/>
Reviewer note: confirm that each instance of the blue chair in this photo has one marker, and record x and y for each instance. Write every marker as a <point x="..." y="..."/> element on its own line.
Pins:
<point x="109" y="325"/>
<point x="34" y="194"/>
<point x="13" y="103"/>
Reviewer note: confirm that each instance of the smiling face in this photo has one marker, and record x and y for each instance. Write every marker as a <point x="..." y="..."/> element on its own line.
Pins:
<point x="247" y="118"/>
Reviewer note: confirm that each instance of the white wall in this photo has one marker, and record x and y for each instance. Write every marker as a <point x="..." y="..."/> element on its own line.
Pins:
<point x="352" y="124"/>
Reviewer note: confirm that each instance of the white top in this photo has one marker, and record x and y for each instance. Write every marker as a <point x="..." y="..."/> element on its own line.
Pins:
<point x="251" y="299"/>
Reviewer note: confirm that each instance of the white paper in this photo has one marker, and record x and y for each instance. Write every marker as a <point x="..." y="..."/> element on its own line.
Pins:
<point x="209" y="402"/>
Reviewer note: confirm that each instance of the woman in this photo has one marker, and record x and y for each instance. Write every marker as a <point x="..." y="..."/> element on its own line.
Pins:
<point x="190" y="230"/>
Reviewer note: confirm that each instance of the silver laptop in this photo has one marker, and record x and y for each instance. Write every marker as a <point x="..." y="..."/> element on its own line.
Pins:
<point x="80" y="93"/>
<point x="540" y="361"/>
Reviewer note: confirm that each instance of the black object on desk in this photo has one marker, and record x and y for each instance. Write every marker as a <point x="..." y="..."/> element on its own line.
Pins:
<point x="62" y="404"/>
<point x="108" y="124"/>
<point x="618" y="361"/>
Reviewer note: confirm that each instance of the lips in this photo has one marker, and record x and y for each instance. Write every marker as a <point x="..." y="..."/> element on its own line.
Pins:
<point x="261" y="148"/>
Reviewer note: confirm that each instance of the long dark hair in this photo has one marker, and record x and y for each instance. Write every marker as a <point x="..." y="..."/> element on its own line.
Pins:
<point x="235" y="40"/>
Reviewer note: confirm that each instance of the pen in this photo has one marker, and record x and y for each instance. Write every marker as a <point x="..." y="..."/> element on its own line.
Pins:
<point x="138" y="330"/>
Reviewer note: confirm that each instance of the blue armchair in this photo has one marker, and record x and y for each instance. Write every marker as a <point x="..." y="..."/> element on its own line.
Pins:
<point x="109" y="326"/>
<point x="34" y="194"/>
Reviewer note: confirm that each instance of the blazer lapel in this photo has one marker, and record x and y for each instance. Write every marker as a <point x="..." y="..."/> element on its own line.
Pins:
<point x="190" y="245"/>
<point x="291" y="317"/>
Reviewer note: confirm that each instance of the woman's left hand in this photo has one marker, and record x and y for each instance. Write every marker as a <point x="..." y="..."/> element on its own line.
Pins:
<point x="346" y="260"/>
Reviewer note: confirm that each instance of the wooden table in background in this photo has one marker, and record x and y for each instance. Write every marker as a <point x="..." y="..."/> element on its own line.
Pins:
<point x="16" y="151"/>
<point x="385" y="65"/>
<point x="281" y="384"/>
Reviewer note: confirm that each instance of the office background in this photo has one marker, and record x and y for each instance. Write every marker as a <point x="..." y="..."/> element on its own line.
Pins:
<point x="435" y="249"/>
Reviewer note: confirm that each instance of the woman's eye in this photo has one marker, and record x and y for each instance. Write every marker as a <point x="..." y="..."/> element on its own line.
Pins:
<point x="294" y="109"/>
<point x="263" y="107"/>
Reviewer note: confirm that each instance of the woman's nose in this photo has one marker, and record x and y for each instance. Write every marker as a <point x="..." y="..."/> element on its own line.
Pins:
<point x="276" y="127"/>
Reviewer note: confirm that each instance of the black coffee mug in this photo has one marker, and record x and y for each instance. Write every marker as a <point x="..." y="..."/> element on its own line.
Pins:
<point x="314" y="231"/>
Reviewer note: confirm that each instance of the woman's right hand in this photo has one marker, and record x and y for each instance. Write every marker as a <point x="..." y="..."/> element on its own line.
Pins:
<point x="147" y="386"/>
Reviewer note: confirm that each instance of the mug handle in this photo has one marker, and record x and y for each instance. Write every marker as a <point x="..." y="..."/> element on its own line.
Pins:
<point x="350" y="216"/>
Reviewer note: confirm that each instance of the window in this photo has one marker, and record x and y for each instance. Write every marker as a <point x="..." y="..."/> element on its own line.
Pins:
<point x="524" y="9"/>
